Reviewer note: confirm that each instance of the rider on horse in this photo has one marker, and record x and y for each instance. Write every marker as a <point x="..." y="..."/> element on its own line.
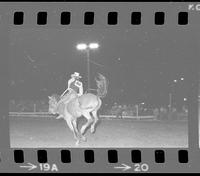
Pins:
<point x="87" y="105"/>
<point x="74" y="88"/>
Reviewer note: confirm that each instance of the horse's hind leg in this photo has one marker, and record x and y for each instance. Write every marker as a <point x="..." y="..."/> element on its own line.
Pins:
<point x="74" y="122"/>
<point x="94" y="113"/>
<point x="89" y="121"/>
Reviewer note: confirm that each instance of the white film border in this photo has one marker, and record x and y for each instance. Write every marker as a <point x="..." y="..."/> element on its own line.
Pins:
<point x="138" y="66"/>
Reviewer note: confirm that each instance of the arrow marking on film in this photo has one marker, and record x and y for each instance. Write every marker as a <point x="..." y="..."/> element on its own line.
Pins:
<point x="30" y="166"/>
<point x="124" y="167"/>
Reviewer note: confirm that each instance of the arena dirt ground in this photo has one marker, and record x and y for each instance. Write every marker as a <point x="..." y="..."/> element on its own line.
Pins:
<point x="127" y="133"/>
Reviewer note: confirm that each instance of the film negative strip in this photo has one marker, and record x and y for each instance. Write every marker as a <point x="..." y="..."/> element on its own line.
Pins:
<point x="95" y="87"/>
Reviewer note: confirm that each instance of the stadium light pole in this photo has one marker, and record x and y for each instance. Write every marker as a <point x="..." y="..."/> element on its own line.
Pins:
<point x="87" y="47"/>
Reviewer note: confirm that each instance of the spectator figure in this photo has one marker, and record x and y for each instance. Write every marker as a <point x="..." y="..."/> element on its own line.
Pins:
<point x="134" y="109"/>
<point x="145" y="111"/>
<point x="184" y="109"/>
<point x="184" y="113"/>
<point x="119" y="112"/>
<point x="115" y="105"/>
<point x="124" y="107"/>
<point x="163" y="113"/>
<point x="114" y="109"/>
<point x="156" y="112"/>
<point x="173" y="114"/>
<point x="129" y="109"/>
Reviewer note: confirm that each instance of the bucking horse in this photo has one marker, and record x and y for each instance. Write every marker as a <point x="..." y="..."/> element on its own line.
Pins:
<point x="85" y="105"/>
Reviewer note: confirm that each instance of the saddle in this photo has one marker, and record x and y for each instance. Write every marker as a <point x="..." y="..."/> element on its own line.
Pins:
<point x="70" y="96"/>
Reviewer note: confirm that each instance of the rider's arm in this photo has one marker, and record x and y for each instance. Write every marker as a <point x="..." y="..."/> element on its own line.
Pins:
<point x="80" y="86"/>
<point x="69" y="82"/>
<point x="68" y="85"/>
<point x="81" y="90"/>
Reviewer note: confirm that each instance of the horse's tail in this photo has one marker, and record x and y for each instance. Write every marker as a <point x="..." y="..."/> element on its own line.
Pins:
<point x="102" y="86"/>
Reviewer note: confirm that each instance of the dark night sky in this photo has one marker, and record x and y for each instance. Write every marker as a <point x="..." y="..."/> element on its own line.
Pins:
<point x="140" y="65"/>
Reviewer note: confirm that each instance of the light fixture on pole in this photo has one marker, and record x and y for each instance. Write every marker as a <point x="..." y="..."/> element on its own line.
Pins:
<point x="93" y="45"/>
<point x="81" y="46"/>
<point x="87" y="47"/>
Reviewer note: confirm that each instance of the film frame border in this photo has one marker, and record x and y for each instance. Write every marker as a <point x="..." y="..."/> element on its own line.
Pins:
<point x="7" y="160"/>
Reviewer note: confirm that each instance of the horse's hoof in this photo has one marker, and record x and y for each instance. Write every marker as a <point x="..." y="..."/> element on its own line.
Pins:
<point x="92" y="130"/>
<point x="82" y="132"/>
<point x="77" y="143"/>
<point x="84" y="138"/>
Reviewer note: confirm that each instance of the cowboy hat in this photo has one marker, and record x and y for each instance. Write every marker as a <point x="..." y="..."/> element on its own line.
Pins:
<point x="76" y="74"/>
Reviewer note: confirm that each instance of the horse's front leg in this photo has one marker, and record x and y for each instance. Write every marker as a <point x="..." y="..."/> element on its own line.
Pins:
<point x="59" y="117"/>
<point x="74" y="122"/>
<point x="70" y="122"/>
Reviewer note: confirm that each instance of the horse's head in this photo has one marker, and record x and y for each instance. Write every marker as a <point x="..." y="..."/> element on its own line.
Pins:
<point x="52" y="104"/>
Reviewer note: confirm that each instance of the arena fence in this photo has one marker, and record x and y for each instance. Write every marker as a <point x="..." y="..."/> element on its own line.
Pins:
<point x="46" y="114"/>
